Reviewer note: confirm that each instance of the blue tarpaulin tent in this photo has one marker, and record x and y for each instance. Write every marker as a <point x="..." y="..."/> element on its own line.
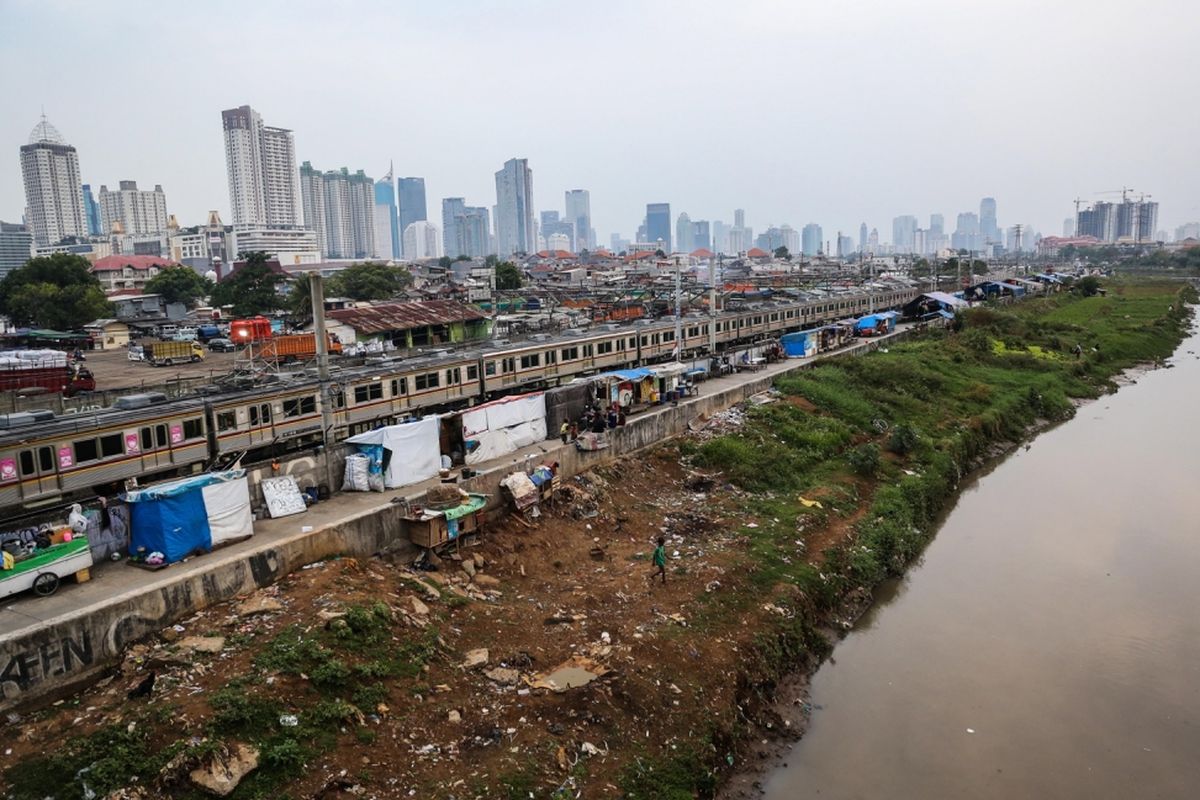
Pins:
<point x="801" y="343"/>
<point x="178" y="518"/>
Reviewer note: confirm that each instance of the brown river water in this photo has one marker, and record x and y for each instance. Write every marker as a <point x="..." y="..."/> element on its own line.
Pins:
<point x="1047" y="645"/>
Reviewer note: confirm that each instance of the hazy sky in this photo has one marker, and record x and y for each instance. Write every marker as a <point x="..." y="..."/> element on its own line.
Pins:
<point x="796" y="111"/>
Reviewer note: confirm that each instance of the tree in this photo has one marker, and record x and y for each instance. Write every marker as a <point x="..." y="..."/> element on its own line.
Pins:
<point x="444" y="262"/>
<point x="57" y="291"/>
<point x="1088" y="285"/>
<point x="659" y="253"/>
<point x="508" y="276"/>
<point x="979" y="267"/>
<point x="299" y="301"/>
<point x="252" y="289"/>
<point x="491" y="261"/>
<point x="369" y="281"/>
<point x="781" y="252"/>
<point x="179" y="285"/>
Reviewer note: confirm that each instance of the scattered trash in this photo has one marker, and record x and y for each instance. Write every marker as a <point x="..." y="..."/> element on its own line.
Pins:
<point x="289" y="720"/>
<point x="970" y="730"/>
<point x="810" y="503"/>
<point x="574" y="672"/>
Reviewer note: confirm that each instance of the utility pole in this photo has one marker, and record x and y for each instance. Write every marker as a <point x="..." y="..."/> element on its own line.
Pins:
<point x="317" y="292"/>
<point x="712" y="306"/>
<point x="1017" y="247"/>
<point x="678" y="314"/>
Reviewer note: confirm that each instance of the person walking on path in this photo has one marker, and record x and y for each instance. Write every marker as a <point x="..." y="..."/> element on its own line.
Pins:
<point x="660" y="560"/>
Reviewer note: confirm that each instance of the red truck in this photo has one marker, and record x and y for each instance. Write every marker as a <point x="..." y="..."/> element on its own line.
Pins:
<point x="297" y="347"/>
<point x="52" y="376"/>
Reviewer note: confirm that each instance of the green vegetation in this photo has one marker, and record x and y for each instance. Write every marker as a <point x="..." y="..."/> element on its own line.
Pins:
<point x="1147" y="258"/>
<point x="508" y="277"/>
<point x="179" y="285"/>
<point x="252" y="289"/>
<point x="329" y="679"/>
<point x="57" y="291"/>
<point x="368" y="281"/>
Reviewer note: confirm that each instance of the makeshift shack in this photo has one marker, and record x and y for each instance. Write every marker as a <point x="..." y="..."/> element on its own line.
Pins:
<point x="568" y="403"/>
<point x="801" y="344"/>
<point x="625" y="387"/>
<point x="434" y="527"/>
<point x="876" y="324"/>
<point x="503" y="426"/>
<point x="411" y="451"/>
<point x="180" y="517"/>
<point x="669" y="379"/>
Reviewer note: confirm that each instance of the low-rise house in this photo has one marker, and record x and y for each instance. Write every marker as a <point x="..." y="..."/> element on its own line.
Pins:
<point x="118" y="272"/>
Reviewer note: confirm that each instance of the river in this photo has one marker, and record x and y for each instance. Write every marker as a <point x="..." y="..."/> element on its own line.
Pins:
<point x="1047" y="645"/>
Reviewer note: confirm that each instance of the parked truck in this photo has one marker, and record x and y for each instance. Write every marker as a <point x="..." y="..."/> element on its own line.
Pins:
<point x="42" y="371"/>
<point x="167" y="354"/>
<point x="297" y="347"/>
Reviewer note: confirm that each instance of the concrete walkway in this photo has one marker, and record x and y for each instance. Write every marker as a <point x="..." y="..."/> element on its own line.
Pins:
<point x="172" y="593"/>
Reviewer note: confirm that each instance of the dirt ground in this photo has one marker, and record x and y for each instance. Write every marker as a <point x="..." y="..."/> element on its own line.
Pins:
<point x="574" y="583"/>
<point x="114" y="370"/>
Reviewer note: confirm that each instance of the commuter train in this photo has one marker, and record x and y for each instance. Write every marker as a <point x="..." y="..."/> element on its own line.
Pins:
<point x="47" y="460"/>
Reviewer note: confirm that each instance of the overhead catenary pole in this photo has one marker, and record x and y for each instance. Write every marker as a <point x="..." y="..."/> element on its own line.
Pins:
<point x="317" y="294"/>
<point x="678" y="314"/>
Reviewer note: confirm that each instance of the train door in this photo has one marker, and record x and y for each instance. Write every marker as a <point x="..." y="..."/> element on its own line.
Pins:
<point x="262" y="429"/>
<point x="39" y="470"/>
<point x="141" y="441"/>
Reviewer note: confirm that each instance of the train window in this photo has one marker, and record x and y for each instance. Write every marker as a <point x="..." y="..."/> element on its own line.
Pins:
<point x="160" y="435"/>
<point x="298" y="406"/>
<point x="775" y="317"/>
<point x="253" y="415"/>
<point x="645" y="341"/>
<point x="588" y="351"/>
<point x="85" y="450"/>
<point x="193" y="428"/>
<point x="399" y="387"/>
<point x="26" y="462"/>
<point x="668" y="336"/>
<point x="147" y="439"/>
<point x="337" y="396"/>
<point x="226" y="421"/>
<point x="369" y="391"/>
<point x="694" y="330"/>
<point x="454" y="376"/>
<point x="473" y="372"/>
<point x="632" y="342"/>
<point x="508" y="364"/>
<point x="111" y="445"/>
<point x="264" y="412"/>
<point x="46" y="460"/>
<point x="570" y="353"/>
<point x="531" y="360"/>
<point x="427" y="381"/>
<point x="604" y="347"/>
<point x="489" y="368"/>
<point x="551" y="356"/>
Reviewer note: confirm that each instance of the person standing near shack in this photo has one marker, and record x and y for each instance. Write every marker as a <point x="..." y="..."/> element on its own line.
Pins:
<point x="660" y="561"/>
<point x="564" y="431"/>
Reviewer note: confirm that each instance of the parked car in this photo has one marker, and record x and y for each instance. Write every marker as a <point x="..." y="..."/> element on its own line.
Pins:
<point x="221" y="345"/>
<point x="136" y="353"/>
<point x="185" y="335"/>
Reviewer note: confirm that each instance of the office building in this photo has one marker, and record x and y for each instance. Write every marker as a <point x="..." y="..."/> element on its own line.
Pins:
<point x="260" y="166"/>
<point x="1189" y="230"/>
<point x="720" y="237"/>
<point x="514" y="208"/>
<point x="811" y="239"/>
<point x="53" y="190"/>
<point x="579" y="214"/>
<point x="701" y="238"/>
<point x="288" y="245"/>
<point x="1100" y="221"/>
<point x="658" y="226"/>
<point x="904" y="233"/>
<point x="139" y="212"/>
<point x="387" y="220"/>
<point x="91" y="212"/>
<point x="862" y="238"/>
<point x="845" y="245"/>
<point x="989" y="230"/>
<point x="683" y="233"/>
<point x="452" y="209"/>
<point x="339" y="207"/>
<point x="16" y="247"/>
<point x="1068" y="228"/>
<point x="552" y="225"/>
<point x="966" y="232"/>
<point x="422" y="240"/>
<point x="1136" y="221"/>
<point x="472" y="231"/>
<point x="410" y="197"/>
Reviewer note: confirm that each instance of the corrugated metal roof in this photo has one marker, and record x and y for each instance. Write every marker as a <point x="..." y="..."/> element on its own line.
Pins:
<point x="383" y="317"/>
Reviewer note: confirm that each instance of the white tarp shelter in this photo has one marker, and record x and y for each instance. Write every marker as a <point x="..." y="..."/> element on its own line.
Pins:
<point x="504" y="426"/>
<point x="415" y="450"/>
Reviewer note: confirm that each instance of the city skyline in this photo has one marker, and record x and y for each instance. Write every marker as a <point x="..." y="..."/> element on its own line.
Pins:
<point x="848" y="170"/>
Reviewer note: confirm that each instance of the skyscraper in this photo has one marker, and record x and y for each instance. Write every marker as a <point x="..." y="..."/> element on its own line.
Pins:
<point x="1069" y="227"/>
<point x="387" y="221"/>
<point x="260" y="165"/>
<point x="340" y="208"/>
<point x="16" y="247"/>
<point x="551" y="225"/>
<point x="683" y="233"/>
<point x="966" y="232"/>
<point x="720" y="237"/>
<point x="422" y="240"/>
<point x="701" y="240"/>
<point x="53" y="190"/>
<point x="514" y="208"/>
<point x="411" y="196"/>
<point x="862" y="238"/>
<point x="140" y="212"/>
<point x="658" y="225"/>
<point x="473" y="231"/>
<point x="91" y="210"/>
<point x="811" y="239"/>
<point x="452" y="209"/>
<point x="579" y="214"/>
<point x="988" y="228"/>
<point x="904" y="233"/>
